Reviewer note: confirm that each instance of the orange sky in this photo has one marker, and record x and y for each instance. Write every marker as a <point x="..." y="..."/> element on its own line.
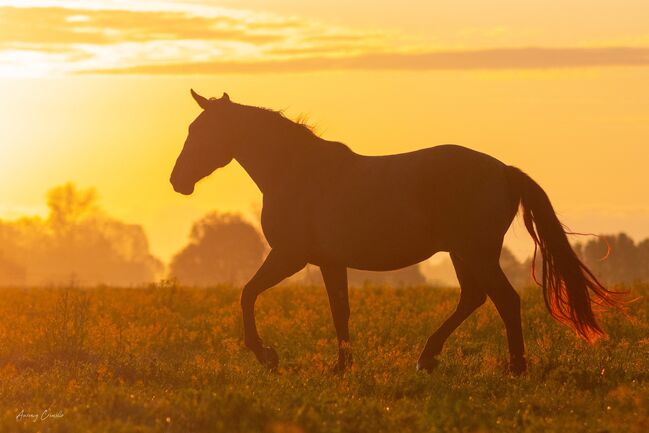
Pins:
<point x="96" y="92"/>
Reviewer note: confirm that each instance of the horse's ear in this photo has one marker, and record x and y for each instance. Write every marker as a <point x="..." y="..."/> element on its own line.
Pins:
<point x="202" y="101"/>
<point x="225" y="97"/>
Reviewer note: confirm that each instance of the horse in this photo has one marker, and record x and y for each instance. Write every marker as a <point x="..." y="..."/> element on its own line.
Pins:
<point x="325" y="205"/>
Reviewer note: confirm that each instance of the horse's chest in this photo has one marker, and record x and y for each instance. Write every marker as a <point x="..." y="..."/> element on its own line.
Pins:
<point x="284" y="223"/>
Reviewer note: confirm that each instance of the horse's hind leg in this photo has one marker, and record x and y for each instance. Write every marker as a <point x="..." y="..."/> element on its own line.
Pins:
<point x="472" y="296"/>
<point x="485" y="268"/>
<point x="508" y="304"/>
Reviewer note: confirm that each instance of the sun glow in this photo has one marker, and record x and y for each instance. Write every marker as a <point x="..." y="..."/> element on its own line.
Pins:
<point x="103" y="36"/>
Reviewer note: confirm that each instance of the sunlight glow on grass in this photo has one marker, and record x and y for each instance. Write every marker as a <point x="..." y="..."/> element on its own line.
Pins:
<point x="141" y="359"/>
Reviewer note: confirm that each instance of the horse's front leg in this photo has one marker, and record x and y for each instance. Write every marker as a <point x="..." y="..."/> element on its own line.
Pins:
<point x="335" y="279"/>
<point x="277" y="266"/>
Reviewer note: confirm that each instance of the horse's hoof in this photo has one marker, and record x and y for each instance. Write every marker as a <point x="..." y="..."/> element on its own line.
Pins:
<point x="517" y="365"/>
<point x="517" y="368"/>
<point x="427" y="364"/>
<point x="267" y="356"/>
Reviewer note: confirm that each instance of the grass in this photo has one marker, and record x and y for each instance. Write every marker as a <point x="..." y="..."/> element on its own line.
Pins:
<point x="170" y="359"/>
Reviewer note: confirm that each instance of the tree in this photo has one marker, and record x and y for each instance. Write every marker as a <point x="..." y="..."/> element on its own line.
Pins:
<point x="626" y="262"/>
<point x="77" y="242"/>
<point x="69" y="206"/>
<point x="223" y="248"/>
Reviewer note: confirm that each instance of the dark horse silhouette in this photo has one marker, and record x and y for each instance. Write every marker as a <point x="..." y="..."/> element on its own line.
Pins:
<point x="326" y="205"/>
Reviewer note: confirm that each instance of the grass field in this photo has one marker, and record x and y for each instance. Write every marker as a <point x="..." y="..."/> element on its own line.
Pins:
<point x="168" y="359"/>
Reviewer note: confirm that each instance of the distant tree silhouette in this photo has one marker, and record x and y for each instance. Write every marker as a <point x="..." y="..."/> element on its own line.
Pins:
<point x="77" y="242"/>
<point x="627" y="262"/>
<point x="70" y="206"/>
<point x="223" y="248"/>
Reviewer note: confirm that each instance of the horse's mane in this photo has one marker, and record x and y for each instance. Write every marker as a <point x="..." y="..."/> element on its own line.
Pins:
<point x="301" y="120"/>
<point x="300" y="126"/>
<point x="299" y="123"/>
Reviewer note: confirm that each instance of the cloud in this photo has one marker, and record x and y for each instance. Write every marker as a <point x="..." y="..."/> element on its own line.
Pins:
<point x="506" y="58"/>
<point x="93" y="38"/>
<point x="88" y="36"/>
<point x="57" y="25"/>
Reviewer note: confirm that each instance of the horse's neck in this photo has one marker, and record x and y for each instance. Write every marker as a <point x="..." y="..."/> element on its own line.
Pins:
<point x="273" y="157"/>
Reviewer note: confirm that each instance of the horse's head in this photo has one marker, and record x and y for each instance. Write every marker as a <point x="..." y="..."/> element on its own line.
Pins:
<point x="208" y="145"/>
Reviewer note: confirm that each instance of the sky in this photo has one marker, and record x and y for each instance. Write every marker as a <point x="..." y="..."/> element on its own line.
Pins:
<point x="97" y="93"/>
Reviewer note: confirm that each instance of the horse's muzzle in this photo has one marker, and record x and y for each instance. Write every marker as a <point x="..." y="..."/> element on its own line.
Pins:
<point x="184" y="189"/>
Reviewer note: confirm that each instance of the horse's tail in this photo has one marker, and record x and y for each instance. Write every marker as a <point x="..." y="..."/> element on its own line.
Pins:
<point x="569" y="287"/>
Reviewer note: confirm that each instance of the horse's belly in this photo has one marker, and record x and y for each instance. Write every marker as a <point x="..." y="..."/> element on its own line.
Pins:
<point x="390" y="258"/>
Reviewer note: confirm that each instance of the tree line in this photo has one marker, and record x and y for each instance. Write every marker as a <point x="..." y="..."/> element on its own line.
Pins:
<point x="78" y="242"/>
<point x="75" y="243"/>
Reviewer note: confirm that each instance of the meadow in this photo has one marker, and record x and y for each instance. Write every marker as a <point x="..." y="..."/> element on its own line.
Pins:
<point x="170" y="359"/>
